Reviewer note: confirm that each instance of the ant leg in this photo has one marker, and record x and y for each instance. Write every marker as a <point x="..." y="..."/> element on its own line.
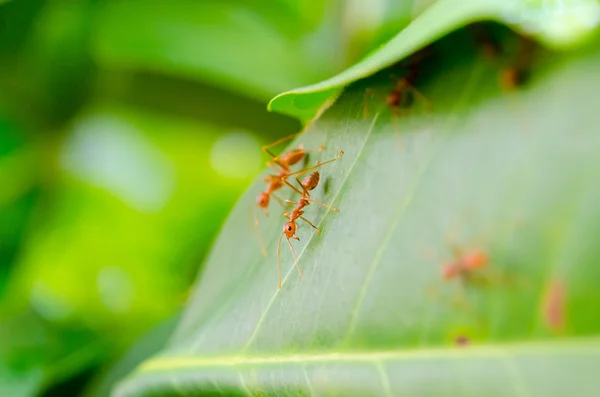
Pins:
<point x="279" y="261"/>
<point x="369" y="93"/>
<point x="320" y="149"/>
<point x="295" y="189"/>
<point x="295" y="257"/>
<point x="298" y="173"/>
<point x="403" y="84"/>
<point x="421" y="96"/>
<point x="314" y="227"/>
<point x="395" y="114"/>
<point x="316" y="166"/>
<point x="278" y="200"/>
<point x="306" y="193"/>
<point x="260" y="238"/>
<point x="265" y="148"/>
<point x="331" y="207"/>
<point x="291" y="202"/>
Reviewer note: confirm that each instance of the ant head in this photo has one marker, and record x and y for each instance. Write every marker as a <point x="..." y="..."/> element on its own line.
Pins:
<point x="263" y="200"/>
<point x="289" y="229"/>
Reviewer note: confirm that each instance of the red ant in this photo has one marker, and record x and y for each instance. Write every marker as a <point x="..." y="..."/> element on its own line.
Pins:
<point x="554" y="306"/>
<point x="517" y="72"/>
<point x="309" y="183"/>
<point x="285" y="161"/>
<point x="401" y="97"/>
<point x="465" y="264"/>
<point x="276" y="182"/>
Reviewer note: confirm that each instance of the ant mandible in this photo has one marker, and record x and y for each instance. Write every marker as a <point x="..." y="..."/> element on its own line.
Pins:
<point x="309" y="183"/>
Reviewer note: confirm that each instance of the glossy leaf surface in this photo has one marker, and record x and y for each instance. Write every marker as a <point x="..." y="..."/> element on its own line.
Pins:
<point x="513" y="175"/>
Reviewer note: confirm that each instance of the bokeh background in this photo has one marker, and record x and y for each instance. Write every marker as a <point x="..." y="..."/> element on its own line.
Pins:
<point x="127" y="131"/>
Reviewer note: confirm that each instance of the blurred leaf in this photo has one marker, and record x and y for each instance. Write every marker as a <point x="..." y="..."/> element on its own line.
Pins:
<point x="20" y="384"/>
<point x="134" y="199"/>
<point x="18" y="194"/>
<point x="556" y="24"/>
<point x="511" y="174"/>
<point x="225" y="42"/>
<point x="35" y="354"/>
<point x="151" y="343"/>
<point x="57" y="59"/>
<point x="188" y="100"/>
<point x="47" y="73"/>
<point x="16" y="19"/>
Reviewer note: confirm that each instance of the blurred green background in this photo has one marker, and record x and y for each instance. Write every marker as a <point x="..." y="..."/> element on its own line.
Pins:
<point x="127" y="131"/>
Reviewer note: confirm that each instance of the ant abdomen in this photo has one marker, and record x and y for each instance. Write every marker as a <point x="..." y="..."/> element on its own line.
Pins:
<point x="292" y="157"/>
<point x="311" y="181"/>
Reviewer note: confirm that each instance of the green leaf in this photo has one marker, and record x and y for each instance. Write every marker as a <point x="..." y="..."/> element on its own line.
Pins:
<point x="558" y="25"/>
<point x="228" y="44"/>
<point x="514" y="175"/>
<point x="148" y="345"/>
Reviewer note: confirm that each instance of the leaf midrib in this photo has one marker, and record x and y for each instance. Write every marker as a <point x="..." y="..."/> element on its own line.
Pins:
<point x="290" y="270"/>
<point x="582" y="346"/>
<point x="217" y="314"/>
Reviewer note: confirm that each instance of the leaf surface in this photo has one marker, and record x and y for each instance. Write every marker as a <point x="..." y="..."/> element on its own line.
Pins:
<point x="555" y="24"/>
<point x="513" y="175"/>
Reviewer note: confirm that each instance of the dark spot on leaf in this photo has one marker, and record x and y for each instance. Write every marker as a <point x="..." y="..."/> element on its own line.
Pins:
<point x="326" y="185"/>
<point x="306" y="160"/>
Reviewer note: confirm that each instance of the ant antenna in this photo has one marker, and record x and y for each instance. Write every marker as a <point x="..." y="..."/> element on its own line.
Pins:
<point x="279" y="259"/>
<point x="277" y="142"/>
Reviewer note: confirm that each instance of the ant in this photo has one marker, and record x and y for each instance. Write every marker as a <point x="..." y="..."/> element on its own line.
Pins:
<point x="285" y="161"/>
<point x="465" y="264"/>
<point x="276" y="182"/>
<point x="515" y="74"/>
<point x="401" y="97"/>
<point x="308" y="184"/>
<point x="554" y="306"/>
<point x="403" y="92"/>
